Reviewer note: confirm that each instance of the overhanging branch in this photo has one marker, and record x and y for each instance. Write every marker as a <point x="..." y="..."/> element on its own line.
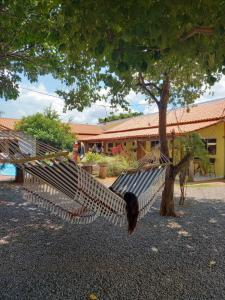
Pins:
<point x="184" y="162"/>
<point x="144" y="85"/>
<point x="197" y="30"/>
<point x="155" y="86"/>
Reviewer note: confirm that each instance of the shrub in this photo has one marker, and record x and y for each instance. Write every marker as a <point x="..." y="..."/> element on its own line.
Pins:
<point x="92" y="157"/>
<point x="116" y="164"/>
<point x="119" y="163"/>
<point x="48" y="128"/>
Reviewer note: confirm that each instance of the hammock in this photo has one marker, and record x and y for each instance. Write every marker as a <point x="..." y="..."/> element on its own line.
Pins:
<point x="58" y="184"/>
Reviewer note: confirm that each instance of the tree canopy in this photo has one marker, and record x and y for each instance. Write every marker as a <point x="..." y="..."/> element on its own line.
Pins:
<point x="121" y="116"/>
<point x="48" y="128"/>
<point x="127" y="46"/>
<point x="170" y="53"/>
<point x="120" y="46"/>
<point x="29" y="44"/>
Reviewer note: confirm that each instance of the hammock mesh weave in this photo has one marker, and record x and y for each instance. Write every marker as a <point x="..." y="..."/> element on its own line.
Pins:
<point x="58" y="184"/>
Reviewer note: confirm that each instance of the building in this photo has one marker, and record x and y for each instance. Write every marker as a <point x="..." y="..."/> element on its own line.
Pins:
<point x="80" y="130"/>
<point x="140" y="133"/>
<point x="83" y="131"/>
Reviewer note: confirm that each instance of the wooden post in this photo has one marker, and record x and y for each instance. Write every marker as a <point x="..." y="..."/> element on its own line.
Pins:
<point x="173" y="146"/>
<point x="191" y="171"/>
<point x="19" y="175"/>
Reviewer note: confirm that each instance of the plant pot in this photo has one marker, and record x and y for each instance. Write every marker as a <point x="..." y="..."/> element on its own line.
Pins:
<point x="103" y="171"/>
<point x="88" y="168"/>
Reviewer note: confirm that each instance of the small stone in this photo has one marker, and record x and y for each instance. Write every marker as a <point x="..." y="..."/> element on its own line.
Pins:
<point x="92" y="297"/>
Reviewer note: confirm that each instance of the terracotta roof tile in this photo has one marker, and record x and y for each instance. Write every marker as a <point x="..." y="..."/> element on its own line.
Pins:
<point x="7" y="122"/>
<point x="82" y="137"/>
<point x="199" y="112"/>
<point x="79" y="129"/>
<point x="150" y="132"/>
<point x="111" y="124"/>
<point x="85" y="129"/>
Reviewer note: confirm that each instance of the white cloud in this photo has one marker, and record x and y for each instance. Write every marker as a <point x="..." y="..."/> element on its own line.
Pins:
<point x="216" y="92"/>
<point x="30" y="102"/>
<point x="151" y="108"/>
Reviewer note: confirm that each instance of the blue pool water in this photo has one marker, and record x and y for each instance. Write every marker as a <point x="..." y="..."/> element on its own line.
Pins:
<point x="8" y="170"/>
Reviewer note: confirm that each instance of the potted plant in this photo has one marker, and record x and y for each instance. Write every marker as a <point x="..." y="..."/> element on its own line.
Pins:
<point x="103" y="167"/>
<point x="89" y="160"/>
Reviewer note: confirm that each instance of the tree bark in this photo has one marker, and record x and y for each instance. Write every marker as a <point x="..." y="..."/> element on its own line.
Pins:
<point x="167" y="207"/>
<point x="162" y="106"/>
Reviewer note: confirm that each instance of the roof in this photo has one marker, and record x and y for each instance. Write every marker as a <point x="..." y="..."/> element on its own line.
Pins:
<point x="150" y="132"/>
<point x="200" y="115"/>
<point x="7" y="122"/>
<point x="180" y="120"/>
<point x="81" y="130"/>
<point x="111" y="124"/>
<point x="85" y="129"/>
<point x="206" y="111"/>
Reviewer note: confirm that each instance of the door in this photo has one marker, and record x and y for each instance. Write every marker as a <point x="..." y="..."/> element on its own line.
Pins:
<point x="141" y="146"/>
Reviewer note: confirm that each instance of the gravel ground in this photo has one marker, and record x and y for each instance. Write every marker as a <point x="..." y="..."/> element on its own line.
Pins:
<point x="41" y="257"/>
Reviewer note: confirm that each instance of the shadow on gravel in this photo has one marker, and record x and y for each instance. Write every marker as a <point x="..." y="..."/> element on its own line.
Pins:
<point x="166" y="258"/>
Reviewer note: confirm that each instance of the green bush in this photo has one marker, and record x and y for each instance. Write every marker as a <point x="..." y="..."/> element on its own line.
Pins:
<point x="119" y="163"/>
<point x="92" y="157"/>
<point x="116" y="164"/>
<point x="48" y="128"/>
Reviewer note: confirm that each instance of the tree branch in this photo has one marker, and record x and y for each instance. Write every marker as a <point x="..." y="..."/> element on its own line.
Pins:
<point x="184" y="162"/>
<point x="197" y="30"/>
<point x="165" y="92"/>
<point x="155" y="86"/>
<point x="20" y="54"/>
<point x="142" y="83"/>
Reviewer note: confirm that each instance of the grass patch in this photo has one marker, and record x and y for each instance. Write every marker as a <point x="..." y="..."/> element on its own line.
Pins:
<point x="201" y="185"/>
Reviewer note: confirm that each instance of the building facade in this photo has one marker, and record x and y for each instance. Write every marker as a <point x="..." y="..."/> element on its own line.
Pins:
<point x="140" y="134"/>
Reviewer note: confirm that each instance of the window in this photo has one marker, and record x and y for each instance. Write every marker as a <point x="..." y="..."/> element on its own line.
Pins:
<point x="154" y="143"/>
<point x="110" y="145"/>
<point x="125" y="144"/>
<point x="210" y="145"/>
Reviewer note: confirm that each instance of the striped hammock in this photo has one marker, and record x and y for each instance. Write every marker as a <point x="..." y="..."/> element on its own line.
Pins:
<point x="58" y="184"/>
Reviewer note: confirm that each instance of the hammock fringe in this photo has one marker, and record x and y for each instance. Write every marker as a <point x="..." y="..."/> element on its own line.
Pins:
<point x="57" y="184"/>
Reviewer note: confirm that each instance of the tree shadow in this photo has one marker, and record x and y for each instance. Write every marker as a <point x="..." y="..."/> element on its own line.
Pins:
<point x="43" y="257"/>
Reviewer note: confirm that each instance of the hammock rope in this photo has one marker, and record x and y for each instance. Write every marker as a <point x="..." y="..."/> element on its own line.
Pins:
<point x="58" y="184"/>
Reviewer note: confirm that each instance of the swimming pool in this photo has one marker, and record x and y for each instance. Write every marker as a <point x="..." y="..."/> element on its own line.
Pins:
<point x="8" y="170"/>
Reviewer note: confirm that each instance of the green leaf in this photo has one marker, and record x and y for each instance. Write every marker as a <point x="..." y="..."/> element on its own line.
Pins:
<point x="100" y="47"/>
<point x="123" y="67"/>
<point x="144" y="66"/>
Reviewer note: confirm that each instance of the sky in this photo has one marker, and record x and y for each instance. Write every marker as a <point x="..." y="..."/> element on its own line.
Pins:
<point x="30" y="102"/>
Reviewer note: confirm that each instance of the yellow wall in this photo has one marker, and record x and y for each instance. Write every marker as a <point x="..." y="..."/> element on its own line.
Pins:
<point x="148" y="145"/>
<point x="129" y="145"/>
<point x="217" y="132"/>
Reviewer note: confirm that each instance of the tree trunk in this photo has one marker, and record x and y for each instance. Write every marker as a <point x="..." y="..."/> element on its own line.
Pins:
<point x="167" y="204"/>
<point x="19" y="175"/>
<point x="167" y="207"/>
<point x="162" y="129"/>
